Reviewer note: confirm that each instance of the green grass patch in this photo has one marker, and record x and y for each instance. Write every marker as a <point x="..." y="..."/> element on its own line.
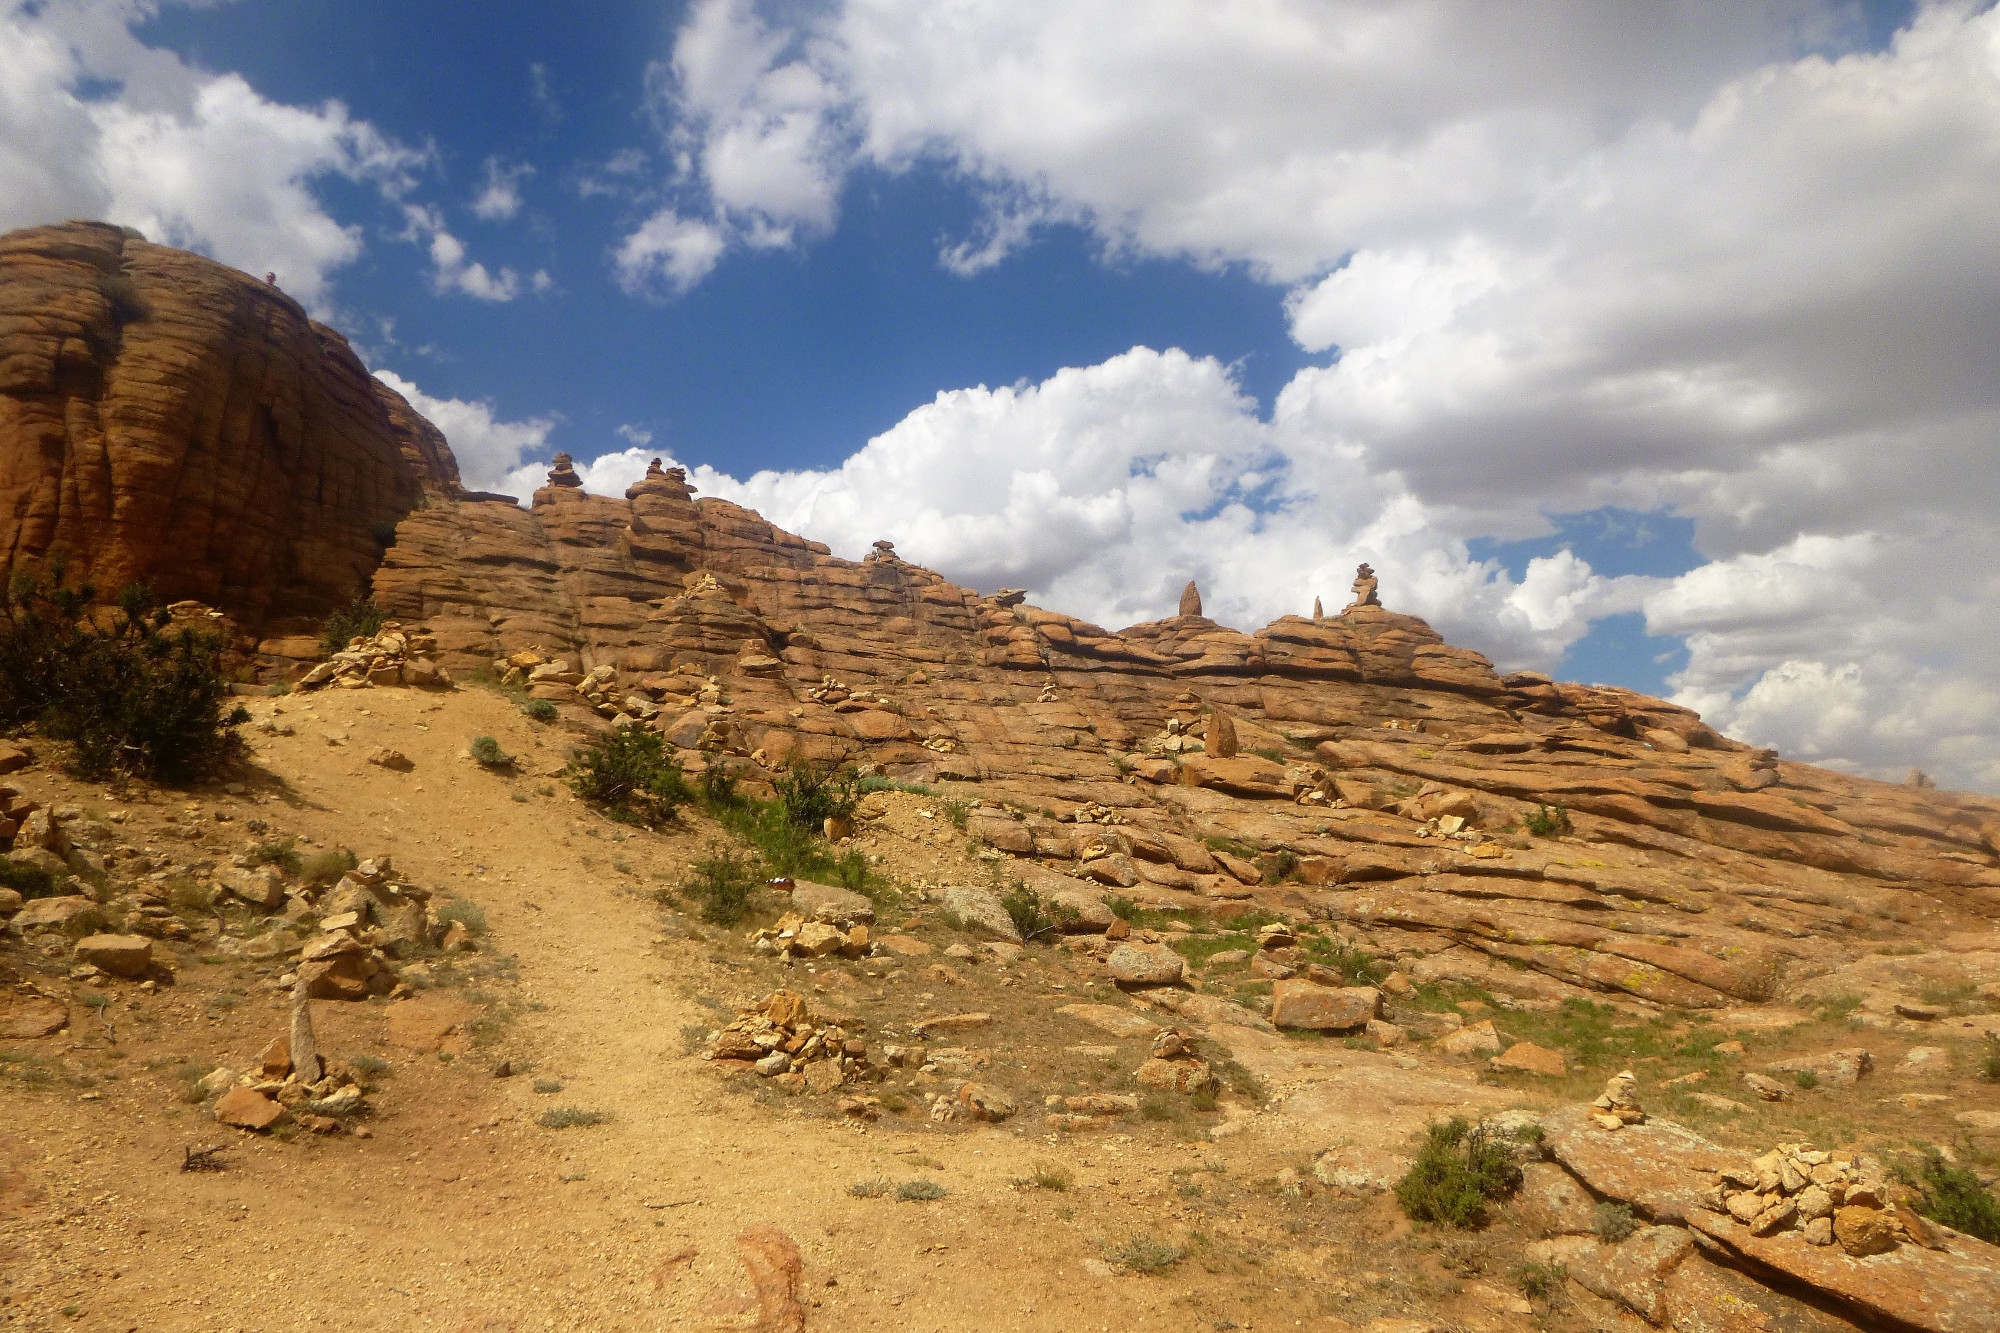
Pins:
<point x="570" y="1117"/>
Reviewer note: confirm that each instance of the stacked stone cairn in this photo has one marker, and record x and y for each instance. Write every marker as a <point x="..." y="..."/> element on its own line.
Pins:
<point x="394" y="656"/>
<point x="780" y="1038"/>
<point x="1829" y="1197"/>
<point x="1618" y="1105"/>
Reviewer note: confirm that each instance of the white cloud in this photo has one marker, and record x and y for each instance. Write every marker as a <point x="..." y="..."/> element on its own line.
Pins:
<point x="488" y="449"/>
<point x="1713" y="259"/>
<point x="188" y="158"/>
<point x="451" y="271"/>
<point x="639" y="436"/>
<point x="670" y="251"/>
<point x="499" y="198"/>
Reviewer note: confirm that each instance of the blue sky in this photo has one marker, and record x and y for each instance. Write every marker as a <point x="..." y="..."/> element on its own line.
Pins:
<point x="1628" y="341"/>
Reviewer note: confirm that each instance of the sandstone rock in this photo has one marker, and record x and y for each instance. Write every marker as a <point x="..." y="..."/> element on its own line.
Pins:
<point x="1356" y="1168"/>
<point x="980" y="910"/>
<point x="1473" y="1039"/>
<point x="1767" y="1089"/>
<point x="384" y="757"/>
<point x="1118" y="1022"/>
<point x="13" y="758"/>
<point x="951" y="1023"/>
<point x="1531" y="1059"/>
<point x="1305" y="1004"/>
<point x="1176" y="1075"/>
<point x="69" y="914"/>
<point x="1658" y="1167"/>
<point x="1133" y="964"/>
<point x="904" y="946"/>
<point x="27" y="1017"/>
<point x="1221" y="738"/>
<point x="260" y="886"/>
<point x="246" y="1108"/>
<point x="1551" y="1203"/>
<point x="983" y="1101"/>
<point x="1190" y="600"/>
<point x="816" y="939"/>
<point x="120" y="955"/>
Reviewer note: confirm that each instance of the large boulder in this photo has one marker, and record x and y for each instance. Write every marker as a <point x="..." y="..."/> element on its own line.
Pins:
<point x="1306" y="1004"/>
<point x="120" y="955"/>
<point x="981" y="911"/>
<point x="1136" y="964"/>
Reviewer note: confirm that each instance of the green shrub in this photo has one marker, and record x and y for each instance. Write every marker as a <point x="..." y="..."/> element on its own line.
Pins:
<point x="1145" y="1254"/>
<point x="1989" y="1059"/>
<point x="1953" y="1196"/>
<point x="32" y="881"/>
<point x="870" y="1189"/>
<point x="488" y="752"/>
<point x="1541" y="1281"/>
<point x="328" y="866"/>
<point x="359" y="619"/>
<point x="628" y="773"/>
<point x="1280" y="865"/>
<point x="813" y="791"/>
<point x="570" y="1117"/>
<point x="959" y="813"/>
<point x="1034" y="916"/>
<point x="466" y="912"/>
<point x="1548" y="821"/>
<point x="279" y="852"/>
<point x="722" y="883"/>
<point x="130" y="694"/>
<point x="1807" y="1079"/>
<point x="718" y="786"/>
<point x="920" y="1191"/>
<point x="1613" y="1222"/>
<point x="1457" y="1172"/>
<point x="1355" y="967"/>
<point x="541" y="710"/>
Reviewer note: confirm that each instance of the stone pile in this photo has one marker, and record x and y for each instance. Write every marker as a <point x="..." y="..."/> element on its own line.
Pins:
<point x="1173" y="1065"/>
<point x="781" y="1038"/>
<point x="272" y="1093"/>
<point x="1618" y="1105"/>
<point x="1829" y="1197"/>
<point x="394" y="656"/>
<point x="794" y="936"/>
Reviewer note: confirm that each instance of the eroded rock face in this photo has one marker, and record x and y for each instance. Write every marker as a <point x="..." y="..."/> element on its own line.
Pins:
<point x="1384" y="778"/>
<point x="168" y="419"/>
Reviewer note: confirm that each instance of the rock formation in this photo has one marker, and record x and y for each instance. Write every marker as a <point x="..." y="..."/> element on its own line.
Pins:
<point x="1423" y="797"/>
<point x="164" y="418"/>
<point x="1190" y="600"/>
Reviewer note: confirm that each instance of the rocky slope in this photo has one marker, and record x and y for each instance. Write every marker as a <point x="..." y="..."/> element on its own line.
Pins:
<point x="166" y="417"/>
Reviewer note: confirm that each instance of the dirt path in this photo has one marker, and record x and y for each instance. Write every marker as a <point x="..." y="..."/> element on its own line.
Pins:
<point x="462" y="1209"/>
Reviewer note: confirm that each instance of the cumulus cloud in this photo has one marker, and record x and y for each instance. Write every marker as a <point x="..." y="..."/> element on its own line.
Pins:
<point x="190" y="159"/>
<point x="452" y="271"/>
<point x="1725" y="262"/>
<point x="499" y="197"/>
<point x="487" y="447"/>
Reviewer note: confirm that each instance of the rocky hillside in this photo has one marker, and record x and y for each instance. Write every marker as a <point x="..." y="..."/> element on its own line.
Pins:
<point x="172" y="419"/>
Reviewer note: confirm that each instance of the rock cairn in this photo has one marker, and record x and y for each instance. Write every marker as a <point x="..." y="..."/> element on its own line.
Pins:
<point x="794" y="936"/>
<point x="1173" y="1065"/>
<point x="1618" y="1105"/>
<point x="394" y="656"/>
<point x="781" y="1038"/>
<point x="1364" y="587"/>
<point x="1828" y="1197"/>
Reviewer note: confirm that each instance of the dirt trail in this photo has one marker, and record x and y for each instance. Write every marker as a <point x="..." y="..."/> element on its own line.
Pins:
<point x="462" y="1209"/>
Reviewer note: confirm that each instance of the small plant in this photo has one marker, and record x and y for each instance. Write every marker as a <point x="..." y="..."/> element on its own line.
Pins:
<point x="1458" y="1171"/>
<point x="869" y="1189"/>
<point x="570" y="1117"/>
<point x="1541" y="1281"/>
<point x="1049" y="1176"/>
<point x="31" y="881"/>
<point x="693" y="1037"/>
<point x="488" y="752"/>
<point x="1953" y="1196"/>
<point x="328" y="866"/>
<point x="279" y="852"/>
<point x="1145" y="1253"/>
<point x="629" y="775"/>
<point x="1279" y="866"/>
<point x="718" y="786"/>
<point x="359" y="619"/>
<point x="1548" y="821"/>
<point x="1807" y="1079"/>
<point x="548" y="1086"/>
<point x="1989" y="1059"/>
<point x="1613" y="1222"/>
<point x="277" y="689"/>
<point x="466" y="912"/>
<point x="373" y="1065"/>
<point x="1034" y="916"/>
<point x="722" y="883"/>
<point x="539" y="710"/>
<point x="921" y="1190"/>
<point x="813" y="791"/>
<point x="958" y="812"/>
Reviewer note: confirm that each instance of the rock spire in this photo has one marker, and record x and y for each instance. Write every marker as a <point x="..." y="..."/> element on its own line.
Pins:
<point x="1190" y="600"/>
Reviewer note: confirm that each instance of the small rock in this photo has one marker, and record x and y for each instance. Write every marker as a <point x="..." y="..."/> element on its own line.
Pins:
<point x="1767" y="1089"/>
<point x="246" y="1108"/>
<point x="120" y="955"/>
<point x="1531" y="1059"/>
<point x="1176" y="1075"/>
<point x="1864" y="1231"/>
<point x="777" y="1062"/>
<point x="1305" y="1004"/>
<point x="983" y="1101"/>
<point x="1819" y="1231"/>
<point x="384" y="757"/>
<point x="1477" y="1039"/>
<point x="1132" y="964"/>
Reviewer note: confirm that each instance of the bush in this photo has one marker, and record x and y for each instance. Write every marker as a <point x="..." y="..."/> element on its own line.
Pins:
<point x="718" y="786"/>
<point x="1145" y="1254"/>
<point x="131" y="695"/>
<point x="920" y="1191"/>
<point x="1457" y="1172"/>
<point x="1989" y="1059"/>
<point x="1548" y="821"/>
<point x="540" y="710"/>
<point x="722" y="883"/>
<point x="628" y="773"/>
<point x="488" y="752"/>
<point x="328" y="866"/>
<point x="359" y="619"/>
<point x="31" y="881"/>
<point x="1541" y="1281"/>
<point x="1033" y="915"/>
<point x="1613" y="1222"/>
<point x="466" y="912"/>
<point x="811" y="792"/>
<point x="278" y="852"/>
<point x="1953" y="1196"/>
<point x="570" y="1117"/>
<point x="869" y="1189"/>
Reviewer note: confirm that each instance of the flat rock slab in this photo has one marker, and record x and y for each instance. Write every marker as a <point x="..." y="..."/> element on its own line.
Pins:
<point x="35" y="1016"/>
<point x="246" y="1108"/>
<point x="831" y="903"/>
<point x="1306" y="1004"/>
<point x="430" y="1023"/>
<point x="1145" y="965"/>
<point x="1658" y="1167"/>
<point x="1953" y="1290"/>
<point x="120" y="955"/>
<point x="1109" y="1018"/>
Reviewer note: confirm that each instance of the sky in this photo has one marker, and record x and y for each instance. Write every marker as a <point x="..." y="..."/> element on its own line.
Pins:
<point x="1643" y="342"/>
